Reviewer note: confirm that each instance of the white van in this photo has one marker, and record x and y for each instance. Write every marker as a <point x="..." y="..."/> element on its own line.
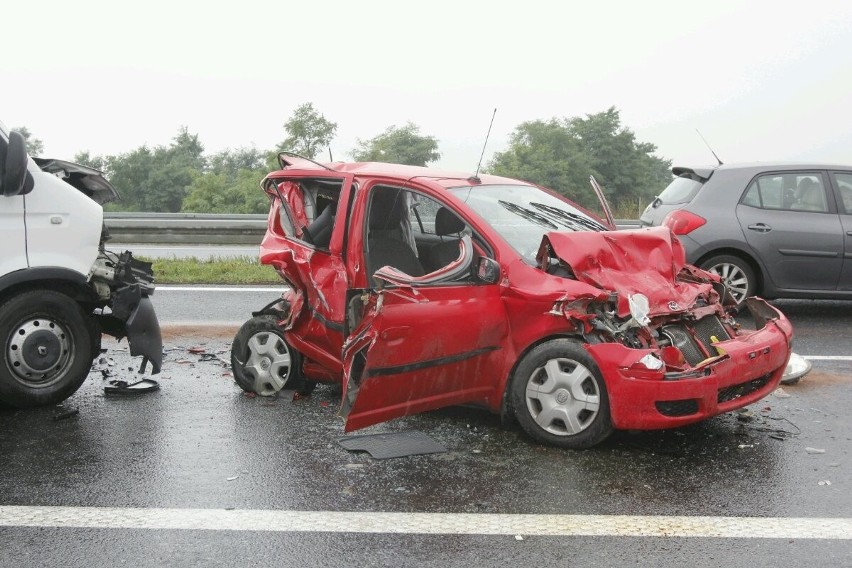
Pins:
<point x="60" y="289"/>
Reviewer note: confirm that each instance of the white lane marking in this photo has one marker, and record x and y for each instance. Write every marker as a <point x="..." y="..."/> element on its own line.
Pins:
<point x="264" y="289"/>
<point x="828" y="357"/>
<point x="427" y="523"/>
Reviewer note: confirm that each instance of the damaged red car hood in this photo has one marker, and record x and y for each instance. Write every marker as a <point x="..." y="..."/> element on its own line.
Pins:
<point x="645" y="261"/>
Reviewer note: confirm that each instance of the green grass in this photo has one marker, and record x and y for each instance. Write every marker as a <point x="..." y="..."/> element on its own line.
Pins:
<point x="237" y="270"/>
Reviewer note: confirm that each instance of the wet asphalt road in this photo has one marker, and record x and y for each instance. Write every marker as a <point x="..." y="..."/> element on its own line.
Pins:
<point x="199" y="443"/>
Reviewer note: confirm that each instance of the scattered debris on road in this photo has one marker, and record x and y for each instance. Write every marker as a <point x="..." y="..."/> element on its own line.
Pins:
<point x="65" y="414"/>
<point x="392" y="445"/>
<point x="138" y="387"/>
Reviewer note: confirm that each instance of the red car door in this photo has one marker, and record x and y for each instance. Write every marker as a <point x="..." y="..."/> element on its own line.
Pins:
<point x="419" y="349"/>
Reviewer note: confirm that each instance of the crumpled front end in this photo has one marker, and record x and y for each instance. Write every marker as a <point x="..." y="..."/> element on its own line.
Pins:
<point x="663" y="332"/>
<point x="124" y="285"/>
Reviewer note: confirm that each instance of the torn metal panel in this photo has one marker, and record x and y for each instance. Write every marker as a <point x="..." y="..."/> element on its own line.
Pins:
<point x="646" y="261"/>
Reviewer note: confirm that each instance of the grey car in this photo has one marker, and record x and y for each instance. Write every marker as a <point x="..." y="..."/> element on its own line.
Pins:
<point x="777" y="230"/>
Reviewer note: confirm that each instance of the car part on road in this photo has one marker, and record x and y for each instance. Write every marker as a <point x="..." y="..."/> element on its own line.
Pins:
<point x="797" y="368"/>
<point x="139" y="387"/>
<point x="735" y="273"/>
<point x="392" y="445"/>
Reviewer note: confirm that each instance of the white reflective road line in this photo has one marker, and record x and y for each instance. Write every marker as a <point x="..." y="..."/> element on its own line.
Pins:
<point x="828" y="357"/>
<point x="426" y="523"/>
<point x="160" y="288"/>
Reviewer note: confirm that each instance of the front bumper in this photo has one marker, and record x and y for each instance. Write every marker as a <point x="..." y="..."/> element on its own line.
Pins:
<point x="751" y="368"/>
<point x="144" y="337"/>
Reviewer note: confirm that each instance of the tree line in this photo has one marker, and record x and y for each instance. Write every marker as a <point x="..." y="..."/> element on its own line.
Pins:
<point x="559" y="153"/>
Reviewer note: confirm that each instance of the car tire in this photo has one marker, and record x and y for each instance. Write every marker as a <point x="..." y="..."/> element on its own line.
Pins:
<point x="262" y="360"/>
<point x="48" y="347"/>
<point x="559" y="396"/>
<point x="736" y="274"/>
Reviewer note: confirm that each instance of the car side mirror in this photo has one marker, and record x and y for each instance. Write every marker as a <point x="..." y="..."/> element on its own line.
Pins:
<point x="487" y="270"/>
<point x="14" y="178"/>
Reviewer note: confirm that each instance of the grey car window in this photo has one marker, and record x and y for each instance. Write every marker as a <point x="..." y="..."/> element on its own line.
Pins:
<point x="680" y="190"/>
<point x="844" y="184"/>
<point x="792" y="191"/>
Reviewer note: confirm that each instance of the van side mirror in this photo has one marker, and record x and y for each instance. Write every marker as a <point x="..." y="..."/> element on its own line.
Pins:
<point x="14" y="177"/>
<point x="487" y="270"/>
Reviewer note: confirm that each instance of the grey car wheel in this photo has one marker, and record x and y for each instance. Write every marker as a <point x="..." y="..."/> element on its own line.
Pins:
<point x="735" y="273"/>
<point x="559" y="396"/>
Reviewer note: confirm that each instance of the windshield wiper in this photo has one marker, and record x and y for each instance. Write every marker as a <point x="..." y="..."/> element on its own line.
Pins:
<point x="536" y="218"/>
<point x="572" y="220"/>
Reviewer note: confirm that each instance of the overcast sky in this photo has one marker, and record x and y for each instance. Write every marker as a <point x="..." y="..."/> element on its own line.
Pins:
<point x="761" y="81"/>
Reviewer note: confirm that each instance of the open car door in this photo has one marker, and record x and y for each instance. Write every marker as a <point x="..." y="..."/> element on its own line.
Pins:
<point x="609" y="221"/>
<point x="422" y="343"/>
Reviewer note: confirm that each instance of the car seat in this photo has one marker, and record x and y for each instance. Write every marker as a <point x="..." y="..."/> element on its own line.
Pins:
<point x="442" y="253"/>
<point x="811" y="196"/>
<point x="318" y="232"/>
<point x="386" y="245"/>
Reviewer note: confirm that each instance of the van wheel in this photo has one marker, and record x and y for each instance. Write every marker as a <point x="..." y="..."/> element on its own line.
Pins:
<point x="559" y="396"/>
<point x="736" y="275"/>
<point x="262" y="360"/>
<point x="47" y="348"/>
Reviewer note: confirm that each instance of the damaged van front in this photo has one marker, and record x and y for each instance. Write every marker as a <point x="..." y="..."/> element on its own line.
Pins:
<point x="60" y="288"/>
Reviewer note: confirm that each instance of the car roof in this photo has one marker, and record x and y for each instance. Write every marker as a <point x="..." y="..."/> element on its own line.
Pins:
<point x="443" y="178"/>
<point x="754" y="167"/>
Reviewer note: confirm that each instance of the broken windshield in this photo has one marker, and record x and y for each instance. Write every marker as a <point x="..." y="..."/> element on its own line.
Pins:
<point x="522" y="214"/>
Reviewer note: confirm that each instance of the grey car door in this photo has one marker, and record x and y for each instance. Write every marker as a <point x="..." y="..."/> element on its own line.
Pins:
<point x="790" y="220"/>
<point x="843" y="190"/>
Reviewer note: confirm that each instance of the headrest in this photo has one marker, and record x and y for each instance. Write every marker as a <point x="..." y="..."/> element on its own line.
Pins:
<point x="386" y="209"/>
<point x="447" y="222"/>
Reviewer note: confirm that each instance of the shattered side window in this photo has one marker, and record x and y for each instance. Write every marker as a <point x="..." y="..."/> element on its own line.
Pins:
<point x="307" y="209"/>
<point x="423" y="213"/>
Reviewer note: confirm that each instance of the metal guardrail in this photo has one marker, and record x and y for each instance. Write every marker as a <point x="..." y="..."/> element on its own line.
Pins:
<point x="204" y="228"/>
<point x="186" y="228"/>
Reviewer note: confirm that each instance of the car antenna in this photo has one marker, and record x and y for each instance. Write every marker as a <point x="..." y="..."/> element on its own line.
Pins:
<point x="709" y="148"/>
<point x="330" y="157"/>
<point x="479" y="165"/>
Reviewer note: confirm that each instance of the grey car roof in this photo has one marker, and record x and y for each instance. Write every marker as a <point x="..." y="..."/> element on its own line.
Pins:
<point x="767" y="166"/>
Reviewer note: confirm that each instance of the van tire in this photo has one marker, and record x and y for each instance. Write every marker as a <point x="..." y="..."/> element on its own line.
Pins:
<point x="48" y="347"/>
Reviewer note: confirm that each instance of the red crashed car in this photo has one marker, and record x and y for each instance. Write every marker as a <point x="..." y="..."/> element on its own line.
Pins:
<point x="419" y="289"/>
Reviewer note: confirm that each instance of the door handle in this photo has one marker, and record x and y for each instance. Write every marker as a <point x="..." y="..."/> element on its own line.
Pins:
<point x="760" y="227"/>
<point x="849" y="233"/>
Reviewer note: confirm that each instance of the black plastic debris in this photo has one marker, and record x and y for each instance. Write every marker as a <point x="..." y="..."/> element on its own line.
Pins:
<point x="139" y="387"/>
<point x="392" y="445"/>
<point x="66" y="414"/>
